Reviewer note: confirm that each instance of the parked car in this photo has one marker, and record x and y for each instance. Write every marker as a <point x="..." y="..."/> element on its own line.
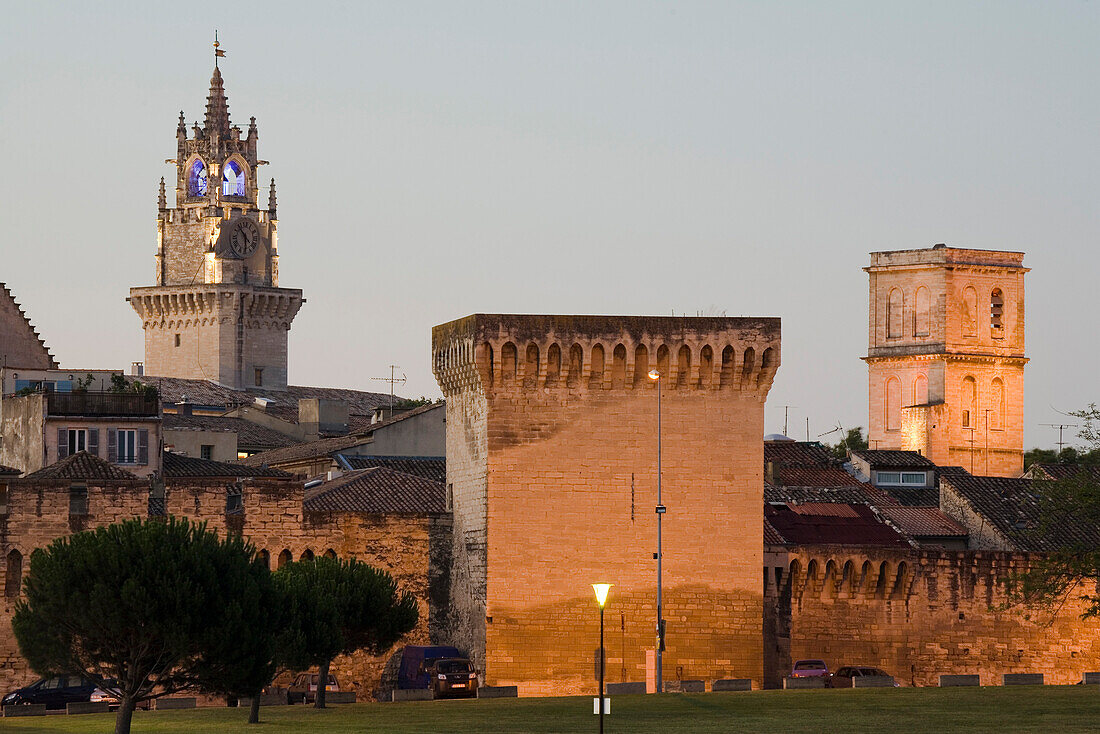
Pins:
<point x="55" y="692"/>
<point x="810" y="669"/>
<point x="304" y="687"/>
<point x="843" y="676"/>
<point x="453" y="677"/>
<point x="417" y="661"/>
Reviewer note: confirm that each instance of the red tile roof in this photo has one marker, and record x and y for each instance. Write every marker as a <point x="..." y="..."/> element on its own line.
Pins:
<point x="802" y="527"/>
<point x="885" y="459"/>
<point x="8" y="471"/>
<point x="923" y="522"/>
<point x="81" y="466"/>
<point x="378" y="490"/>
<point x="179" y="467"/>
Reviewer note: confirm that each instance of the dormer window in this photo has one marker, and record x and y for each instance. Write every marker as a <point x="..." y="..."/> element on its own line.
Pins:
<point x="196" y="179"/>
<point x="232" y="179"/>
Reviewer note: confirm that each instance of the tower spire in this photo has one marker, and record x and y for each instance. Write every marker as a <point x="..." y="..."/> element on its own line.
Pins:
<point x="162" y="200"/>
<point x="217" y="106"/>
<point x="271" y="199"/>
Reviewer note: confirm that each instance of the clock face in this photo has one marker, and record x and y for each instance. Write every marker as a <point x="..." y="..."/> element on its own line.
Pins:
<point x="245" y="238"/>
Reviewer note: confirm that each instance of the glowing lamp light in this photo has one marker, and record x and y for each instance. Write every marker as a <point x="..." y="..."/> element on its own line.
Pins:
<point x="654" y="375"/>
<point x="601" y="593"/>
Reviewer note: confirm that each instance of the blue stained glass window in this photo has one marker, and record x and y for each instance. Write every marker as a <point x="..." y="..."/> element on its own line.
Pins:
<point x="232" y="179"/>
<point x="196" y="179"/>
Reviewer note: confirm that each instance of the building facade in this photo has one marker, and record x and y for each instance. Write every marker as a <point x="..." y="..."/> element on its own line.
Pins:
<point x="552" y="483"/>
<point x="216" y="311"/>
<point x="945" y="356"/>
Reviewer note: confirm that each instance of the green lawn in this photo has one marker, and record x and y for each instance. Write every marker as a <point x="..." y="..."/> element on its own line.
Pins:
<point x="1058" y="709"/>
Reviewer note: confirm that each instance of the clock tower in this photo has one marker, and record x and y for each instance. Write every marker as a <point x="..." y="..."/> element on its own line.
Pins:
<point x="217" y="311"/>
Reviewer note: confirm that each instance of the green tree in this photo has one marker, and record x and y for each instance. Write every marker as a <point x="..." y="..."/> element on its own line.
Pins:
<point x="853" y="441"/>
<point x="149" y="608"/>
<point x="1070" y="564"/>
<point x="335" y="607"/>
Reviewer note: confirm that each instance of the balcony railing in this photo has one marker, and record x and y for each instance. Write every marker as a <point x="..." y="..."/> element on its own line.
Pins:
<point x="102" y="403"/>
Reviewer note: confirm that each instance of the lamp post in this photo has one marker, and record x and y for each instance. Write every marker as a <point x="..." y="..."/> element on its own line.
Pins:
<point x="655" y="375"/>
<point x="601" y="599"/>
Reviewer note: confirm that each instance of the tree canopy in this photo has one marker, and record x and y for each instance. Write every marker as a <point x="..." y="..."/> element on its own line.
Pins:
<point x="1071" y="566"/>
<point x="335" y="607"/>
<point x="149" y="608"/>
<point x="853" y="441"/>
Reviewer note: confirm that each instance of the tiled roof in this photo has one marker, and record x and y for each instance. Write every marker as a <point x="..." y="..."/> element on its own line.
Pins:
<point x="251" y="436"/>
<point x="883" y="459"/>
<point x="857" y="525"/>
<point x="284" y="403"/>
<point x="813" y="476"/>
<point x="8" y="471"/>
<point x="309" y="450"/>
<point x="862" y="494"/>
<point x="771" y="535"/>
<point x="923" y="522"/>
<point x="81" y="466"/>
<point x="1013" y="507"/>
<point x="378" y="490"/>
<point x="429" y="467"/>
<point x="1057" y="472"/>
<point x="797" y="453"/>
<point x="804" y="464"/>
<point x="914" y="496"/>
<point x="179" y="466"/>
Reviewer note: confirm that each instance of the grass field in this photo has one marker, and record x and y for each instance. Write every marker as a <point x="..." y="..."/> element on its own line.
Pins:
<point x="1057" y="709"/>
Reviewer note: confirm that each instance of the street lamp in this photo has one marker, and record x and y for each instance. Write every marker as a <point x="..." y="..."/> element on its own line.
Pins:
<point x="655" y="375"/>
<point x="601" y="599"/>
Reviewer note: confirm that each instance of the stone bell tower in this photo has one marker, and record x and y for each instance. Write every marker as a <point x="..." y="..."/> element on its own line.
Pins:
<point x="945" y="356"/>
<point x="216" y="311"/>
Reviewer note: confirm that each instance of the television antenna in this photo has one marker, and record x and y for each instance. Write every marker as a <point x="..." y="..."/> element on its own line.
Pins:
<point x="393" y="380"/>
<point x="1061" y="427"/>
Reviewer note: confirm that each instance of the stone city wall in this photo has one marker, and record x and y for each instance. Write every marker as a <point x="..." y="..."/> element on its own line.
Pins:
<point x="918" y="615"/>
<point x="273" y="520"/>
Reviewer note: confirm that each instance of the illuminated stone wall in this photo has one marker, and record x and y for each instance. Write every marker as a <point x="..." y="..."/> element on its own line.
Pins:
<point x="552" y="473"/>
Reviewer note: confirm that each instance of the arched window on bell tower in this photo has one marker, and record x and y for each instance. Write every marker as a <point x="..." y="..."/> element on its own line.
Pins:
<point x="196" y="178"/>
<point x="233" y="179"/>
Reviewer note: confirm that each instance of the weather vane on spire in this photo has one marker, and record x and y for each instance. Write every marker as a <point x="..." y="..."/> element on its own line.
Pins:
<point x="218" y="53"/>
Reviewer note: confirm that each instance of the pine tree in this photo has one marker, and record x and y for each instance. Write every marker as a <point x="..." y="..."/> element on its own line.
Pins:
<point x="335" y="608"/>
<point x="150" y="608"/>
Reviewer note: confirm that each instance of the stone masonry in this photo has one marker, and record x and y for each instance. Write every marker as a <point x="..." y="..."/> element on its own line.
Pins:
<point x="412" y="548"/>
<point x="945" y="356"/>
<point x="918" y="615"/>
<point x="551" y="469"/>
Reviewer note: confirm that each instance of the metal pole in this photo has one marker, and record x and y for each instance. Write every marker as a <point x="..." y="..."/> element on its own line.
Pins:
<point x="602" y="659"/>
<point x="660" y="558"/>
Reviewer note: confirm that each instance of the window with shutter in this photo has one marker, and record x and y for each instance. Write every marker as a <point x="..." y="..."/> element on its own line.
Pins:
<point x="62" y="443"/>
<point x="93" y="441"/>
<point x="143" y="446"/>
<point x="112" y="445"/>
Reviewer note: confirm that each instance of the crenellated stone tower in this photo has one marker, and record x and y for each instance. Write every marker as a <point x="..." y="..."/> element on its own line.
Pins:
<point x="216" y="311"/>
<point x="945" y="356"/>
<point x="552" y="474"/>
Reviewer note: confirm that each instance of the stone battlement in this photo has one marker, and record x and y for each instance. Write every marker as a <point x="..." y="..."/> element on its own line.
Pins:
<point x="494" y="352"/>
<point x="261" y="304"/>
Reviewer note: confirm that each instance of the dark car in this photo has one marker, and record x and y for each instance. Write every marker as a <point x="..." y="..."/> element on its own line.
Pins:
<point x="417" y="662"/>
<point x="304" y="687"/>
<point x="453" y="677"/>
<point x="55" y="692"/>
<point x="810" y="669"/>
<point x="843" y="676"/>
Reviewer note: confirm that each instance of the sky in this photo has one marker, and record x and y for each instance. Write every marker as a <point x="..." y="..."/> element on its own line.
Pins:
<point x="439" y="159"/>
